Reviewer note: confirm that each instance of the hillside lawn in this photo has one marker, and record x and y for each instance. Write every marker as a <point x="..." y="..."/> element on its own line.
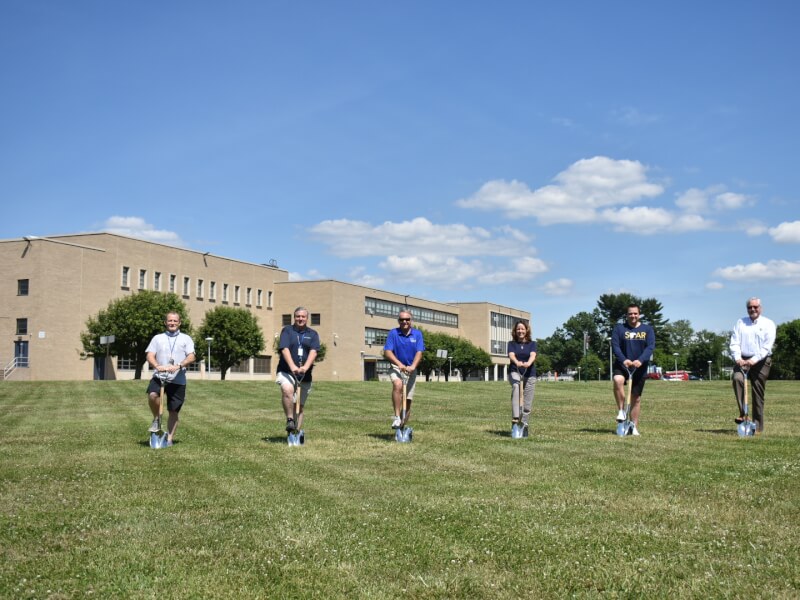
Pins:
<point x="688" y="510"/>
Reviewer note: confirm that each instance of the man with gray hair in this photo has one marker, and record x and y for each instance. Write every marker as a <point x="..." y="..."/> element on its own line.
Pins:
<point x="298" y="347"/>
<point x="751" y="347"/>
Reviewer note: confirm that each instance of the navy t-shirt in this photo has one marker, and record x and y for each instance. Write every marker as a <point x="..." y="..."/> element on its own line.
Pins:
<point x="523" y="352"/>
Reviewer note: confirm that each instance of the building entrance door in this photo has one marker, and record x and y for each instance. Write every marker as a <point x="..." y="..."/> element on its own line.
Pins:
<point x="21" y="353"/>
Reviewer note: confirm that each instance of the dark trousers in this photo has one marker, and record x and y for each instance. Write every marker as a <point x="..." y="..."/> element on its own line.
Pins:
<point x="757" y="375"/>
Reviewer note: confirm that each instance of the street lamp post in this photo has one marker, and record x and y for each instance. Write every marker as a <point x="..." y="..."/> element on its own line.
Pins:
<point x="208" y="362"/>
<point x="450" y="370"/>
<point x="709" y="369"/>
<point x="675" y="354"/>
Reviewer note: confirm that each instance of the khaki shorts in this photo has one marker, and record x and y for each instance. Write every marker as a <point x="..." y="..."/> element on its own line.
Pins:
<point x="394" y="375"/>
<point x="289" y="379"/>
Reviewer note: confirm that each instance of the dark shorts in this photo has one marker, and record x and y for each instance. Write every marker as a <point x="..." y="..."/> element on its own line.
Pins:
<point x="176" y="393"/>
<point x="639" y="377"/>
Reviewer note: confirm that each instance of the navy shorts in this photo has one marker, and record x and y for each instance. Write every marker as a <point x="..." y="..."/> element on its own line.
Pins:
<point x="176" y="393"/>
<point x="639" y="377"/>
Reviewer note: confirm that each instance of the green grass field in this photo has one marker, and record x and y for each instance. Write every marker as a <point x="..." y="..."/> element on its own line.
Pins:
<point x="687" y="510"/>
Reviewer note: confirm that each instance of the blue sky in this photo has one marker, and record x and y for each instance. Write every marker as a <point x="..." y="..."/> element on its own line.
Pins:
<point x="532" y="154"/>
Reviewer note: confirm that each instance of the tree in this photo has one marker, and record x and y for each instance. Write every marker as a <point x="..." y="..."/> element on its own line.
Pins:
<point x="785" y="358"/>
<point x="469" y="358"/>
<point x="590" y="365"/>
<point x="133" y="321"/>
<point x="707" y="346"/>
<point x="436" y="341"/>
<point x="236" y="334"/>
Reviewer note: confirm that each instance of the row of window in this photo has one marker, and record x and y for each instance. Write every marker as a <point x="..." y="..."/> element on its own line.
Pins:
<point x="261" y="365"/>
<point x="314" y="319"/>
<point x="387" y="308"/>
<point x="227" y="293"/>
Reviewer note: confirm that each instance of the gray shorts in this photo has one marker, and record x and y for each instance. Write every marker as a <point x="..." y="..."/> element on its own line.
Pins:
<point x="395" y="375"/>
<point x="288" y="379"/>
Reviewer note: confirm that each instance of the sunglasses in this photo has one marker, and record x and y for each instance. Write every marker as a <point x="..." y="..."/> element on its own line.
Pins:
<point x="401" y="320"/>
<point x="753" y="307"/>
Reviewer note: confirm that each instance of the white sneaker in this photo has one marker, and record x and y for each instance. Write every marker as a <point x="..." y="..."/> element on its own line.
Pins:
<point x="396" y="423"/>
<point x="635" y="431"/>
<point x="155" y="426"/>
<point x="620" y="416"/>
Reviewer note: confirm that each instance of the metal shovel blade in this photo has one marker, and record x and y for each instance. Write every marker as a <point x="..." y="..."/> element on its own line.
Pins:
<point x="293" y="438"/>
<point x="516" y="431"/>
<point x="624" y="428"/>
<point x="746" y="429"/>
<point x="524" y="431"/>
<point x="404" y="435"/>
<point x="158" y="441"/>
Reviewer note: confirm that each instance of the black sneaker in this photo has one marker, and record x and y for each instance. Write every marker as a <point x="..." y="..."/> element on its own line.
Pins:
<point x="289" y="425"/>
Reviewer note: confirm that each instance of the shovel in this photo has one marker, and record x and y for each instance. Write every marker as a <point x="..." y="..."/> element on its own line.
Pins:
<point x="746" y="428"/>
<point x="298" y="436"/>
<point x="158" y="439"/>
<point x="518" y="430"/>
<point x="404" y="434"/>
<point x="626" y="426"/>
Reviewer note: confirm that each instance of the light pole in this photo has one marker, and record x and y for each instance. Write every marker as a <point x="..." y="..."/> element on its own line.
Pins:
<point x="450" y="370"/>
<point x="208" y="362"/>
<point x="709" y="369"/>
<point x="598" y="373"/>
<point x="579" y="374"/>
<point x="675" y="354"/>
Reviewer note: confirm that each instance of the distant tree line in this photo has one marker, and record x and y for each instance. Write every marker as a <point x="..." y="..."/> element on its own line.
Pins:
<point x="584" y="341"/>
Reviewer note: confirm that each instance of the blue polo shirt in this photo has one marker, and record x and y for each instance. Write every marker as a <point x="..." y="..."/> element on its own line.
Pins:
<point x="405" y="347"/>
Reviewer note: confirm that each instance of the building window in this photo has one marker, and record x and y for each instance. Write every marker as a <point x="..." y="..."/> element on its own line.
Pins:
<point x="241" y="367"/>
<point x="186" y="284"/>
<point x="126" y="273"/>
<point x="259" y="297"/>
<point x="157" y="281"/>
<point x="500" y="332"/>
<point x="199" y="289"/>
<point x="225" y="292"/>
<point x="22" y="287"/>
<point x="212" y="290"/>
<point x="286" y="320"/>
<point x="262" y="365"/>
<point x="373" y="336"/>
<point x="142" y="279"/>
<point x="315" y="319"/>
<point x="386" y="308"/>
<point x="125" y="363"/>
<point x="269" y="299"/>
<point x="172" y="279"/>
<point x="22" y="326"/>
<point x="249" y="296"/>
<point x="236" y="294"/>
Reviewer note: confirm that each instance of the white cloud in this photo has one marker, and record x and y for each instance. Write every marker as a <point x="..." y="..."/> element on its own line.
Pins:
<point x="714" y="285"/>
<point x="776" y="271"/>
<point x="641" y="219"/>
<point x="578" y="191"/>
<point x="136" y="227"/>
<point x="558" y="287"/>
<point x="786" y="233"/>
<point x="359" y="276"/>
<point x="634" y="117"/>
<point x="753" y="228"/>
<point x="731" y="201"/>
<point x="348" y="238"/>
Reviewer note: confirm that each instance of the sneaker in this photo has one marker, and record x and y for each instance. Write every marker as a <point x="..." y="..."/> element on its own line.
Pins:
<point x="396" y="423"/>
<point x="289" y="425"/>
<point x="635" y="431"/>
<point x="155" y="426"/>
<point x="620" y="416"/>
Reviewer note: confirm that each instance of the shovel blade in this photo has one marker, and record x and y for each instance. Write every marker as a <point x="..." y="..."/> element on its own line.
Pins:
<point x="624" y="428"/>
<point x="158" y="441"/>
<point x="516" y="431"/>
<point x="746" y="429"/>
<point x="404" y="435"/>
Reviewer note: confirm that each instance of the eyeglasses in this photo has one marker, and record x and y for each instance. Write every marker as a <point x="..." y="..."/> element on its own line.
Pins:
<point x="753" y="307"/>
<point x="401" y="320"/>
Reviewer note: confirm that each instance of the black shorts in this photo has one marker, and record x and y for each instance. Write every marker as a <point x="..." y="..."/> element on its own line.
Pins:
<point x="176" y="393"/>
<point x="639" y="377"/>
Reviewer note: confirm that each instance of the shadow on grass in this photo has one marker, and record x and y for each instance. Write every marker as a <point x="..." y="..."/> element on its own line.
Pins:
<point x="717" y="431"/>
<point x="595" y="430"/>
<point x="386" y="437"/>
<point x="506" y="433"/>
<point x="275" y="439"/>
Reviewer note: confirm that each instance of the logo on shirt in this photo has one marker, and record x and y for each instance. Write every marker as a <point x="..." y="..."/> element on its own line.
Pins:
<point x="635" y="335"/>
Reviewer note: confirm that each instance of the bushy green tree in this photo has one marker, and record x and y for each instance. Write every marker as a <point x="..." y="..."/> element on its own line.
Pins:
<point x="467" y="357"/>
<point x="708" y="346"/>
<point x="236" y="334"/>
<point x="133" y="321"/>
<point x="785" y="356"/>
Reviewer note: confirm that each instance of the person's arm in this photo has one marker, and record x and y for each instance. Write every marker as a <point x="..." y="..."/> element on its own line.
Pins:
<point x="413" y="366"/>
<point x="392" y="358"/>
<point x="306" y="367"/>
<point x="765" y="348"/>
<point x="615" y="345"/>
<point x="190" y="358"/>
<point x="287" y="357"/>
<point x="649" y="349"/>
<point x="151" y="360"/>
<point x="736" y="344"/>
